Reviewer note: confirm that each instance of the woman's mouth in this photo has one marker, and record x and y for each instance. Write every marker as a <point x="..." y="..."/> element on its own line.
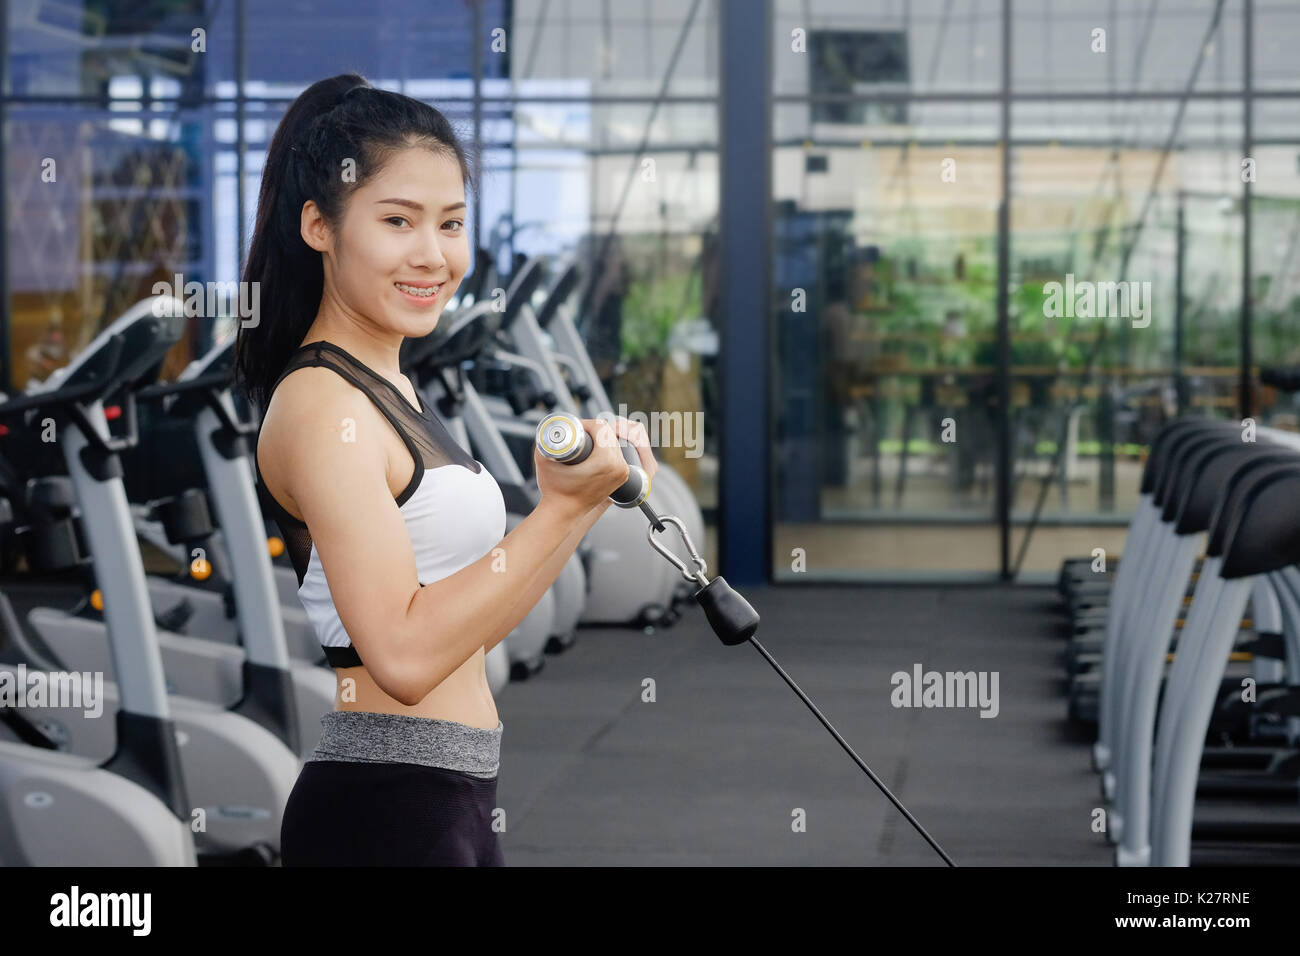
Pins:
<point x="419" y="293"/>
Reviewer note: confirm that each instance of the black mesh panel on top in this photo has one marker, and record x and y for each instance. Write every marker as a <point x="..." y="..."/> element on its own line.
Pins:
<point x="425" y="436"/>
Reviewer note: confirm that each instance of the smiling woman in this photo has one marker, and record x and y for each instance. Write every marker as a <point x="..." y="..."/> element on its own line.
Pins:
<point x="353" y="176"/>
<point x="395" y="530"/>
<point x="400" y="242"/>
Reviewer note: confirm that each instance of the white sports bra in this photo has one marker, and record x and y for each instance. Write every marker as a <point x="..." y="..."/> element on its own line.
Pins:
<point x="453" y="507"/>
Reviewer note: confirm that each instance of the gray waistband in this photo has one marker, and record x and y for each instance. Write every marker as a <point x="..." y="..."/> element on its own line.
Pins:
<point x="366" y="737"/>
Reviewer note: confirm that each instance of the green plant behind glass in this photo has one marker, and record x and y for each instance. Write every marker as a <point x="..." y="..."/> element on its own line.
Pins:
<point x="652" y="307"/>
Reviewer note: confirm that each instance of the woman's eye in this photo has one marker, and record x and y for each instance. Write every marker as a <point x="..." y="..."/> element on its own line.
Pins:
<point x="396" y="220"/>
<point x="456" y="222"/>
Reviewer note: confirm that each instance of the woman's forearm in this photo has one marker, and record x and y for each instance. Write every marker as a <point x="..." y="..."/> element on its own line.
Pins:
<point x="449" y="620"/>
<point x="545" y="575"/>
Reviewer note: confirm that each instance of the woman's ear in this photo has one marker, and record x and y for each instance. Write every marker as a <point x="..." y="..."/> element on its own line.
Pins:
<point x="315" y="230"/>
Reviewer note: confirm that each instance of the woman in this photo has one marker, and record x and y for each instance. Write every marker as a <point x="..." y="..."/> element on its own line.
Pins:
<point x="395" y="531"/>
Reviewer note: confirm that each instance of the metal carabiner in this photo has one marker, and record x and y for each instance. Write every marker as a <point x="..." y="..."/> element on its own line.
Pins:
<point x="698" y="575"/>
<point x="701" y="566"/>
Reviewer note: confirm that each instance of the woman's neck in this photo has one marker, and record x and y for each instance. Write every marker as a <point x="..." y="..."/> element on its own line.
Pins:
<point x="378" y="350"/>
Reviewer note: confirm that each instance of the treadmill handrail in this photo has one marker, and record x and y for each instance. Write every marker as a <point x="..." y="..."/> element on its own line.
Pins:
<point x="68" y="400"/>
<point x="522" y="287"/>
<point x="90" y="360"/>
<point x="565" y="286"/>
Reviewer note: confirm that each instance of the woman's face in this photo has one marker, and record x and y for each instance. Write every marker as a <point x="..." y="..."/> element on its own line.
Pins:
<point x="401" y="249"/>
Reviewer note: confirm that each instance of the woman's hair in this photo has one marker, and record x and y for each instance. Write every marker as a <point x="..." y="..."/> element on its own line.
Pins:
<point x="339" y="119"/>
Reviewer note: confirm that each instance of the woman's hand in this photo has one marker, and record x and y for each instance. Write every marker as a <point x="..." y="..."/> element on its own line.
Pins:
<point x="634" y="434"/>
<point x="589" y="483"/>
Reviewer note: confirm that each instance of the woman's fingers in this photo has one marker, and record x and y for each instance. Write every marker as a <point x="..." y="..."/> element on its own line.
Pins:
<point x="634" y="433"/>
<point x="603" y="433"/>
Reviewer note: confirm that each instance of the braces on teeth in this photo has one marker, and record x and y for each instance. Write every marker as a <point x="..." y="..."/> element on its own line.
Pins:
<point x="423" y="293"/>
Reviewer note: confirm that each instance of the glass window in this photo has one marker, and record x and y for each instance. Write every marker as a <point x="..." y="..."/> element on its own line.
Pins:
<point x="1101" y="351"/>
<point x="593" y="47"/>
<point x="102" y="205"/>
<point x="416" y="47"/>
<point x="884" y="265"/>
<point x="1059" y="46"/>
<point x="853" y="49"/>
<point x="1275" y="28"/>
<point x="183" y="49"/>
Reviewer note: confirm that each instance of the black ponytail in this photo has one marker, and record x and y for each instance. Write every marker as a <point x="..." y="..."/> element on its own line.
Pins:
<point x="334" y="120"/>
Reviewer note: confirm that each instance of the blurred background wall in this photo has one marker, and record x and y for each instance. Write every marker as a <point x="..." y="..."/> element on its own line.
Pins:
<point x="919" y="426"/>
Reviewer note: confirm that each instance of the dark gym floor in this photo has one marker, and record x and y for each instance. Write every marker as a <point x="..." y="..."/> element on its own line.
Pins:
<point x="710" y="773"/>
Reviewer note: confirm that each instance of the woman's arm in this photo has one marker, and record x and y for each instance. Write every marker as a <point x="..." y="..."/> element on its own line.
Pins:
<point x="547" y="574"/>
<point x="622" y="428"/>
<point x="410" y="637"/>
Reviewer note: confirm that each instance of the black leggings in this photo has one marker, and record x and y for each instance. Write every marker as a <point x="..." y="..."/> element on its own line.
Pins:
<point x="342" y="813"/>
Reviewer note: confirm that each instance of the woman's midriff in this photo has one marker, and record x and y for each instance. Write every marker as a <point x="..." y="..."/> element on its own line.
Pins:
<point x="464" y="696"/>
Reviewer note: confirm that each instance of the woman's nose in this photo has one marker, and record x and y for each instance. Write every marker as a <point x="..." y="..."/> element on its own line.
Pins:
<point x="431" y="254"/>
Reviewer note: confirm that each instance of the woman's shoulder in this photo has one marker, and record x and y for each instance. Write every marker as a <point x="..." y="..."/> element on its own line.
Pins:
<point x="307" y="404"/>
<point x="307" y="393"/>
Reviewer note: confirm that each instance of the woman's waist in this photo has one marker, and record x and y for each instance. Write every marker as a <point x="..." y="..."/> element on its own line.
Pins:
<point x="472" y="707"/>
<point x="463" y="696"/>
<point x="374" y="736"/>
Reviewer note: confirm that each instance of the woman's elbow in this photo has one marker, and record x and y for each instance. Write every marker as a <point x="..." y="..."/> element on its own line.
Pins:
<point x="408" y="698"/>
<point x="398" y="685"/>
<point x="403" y="676"/>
